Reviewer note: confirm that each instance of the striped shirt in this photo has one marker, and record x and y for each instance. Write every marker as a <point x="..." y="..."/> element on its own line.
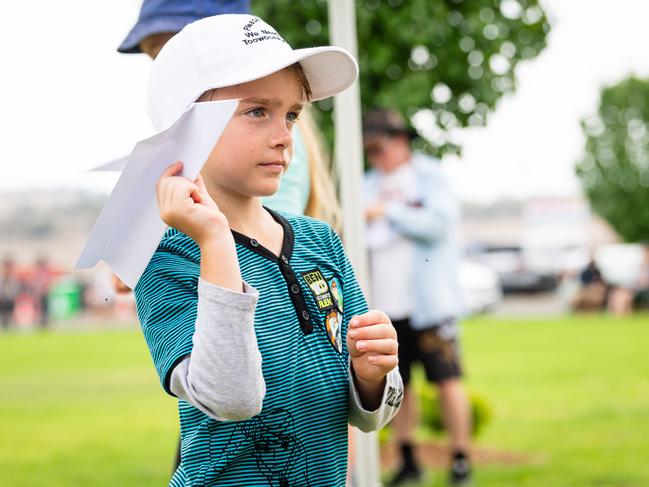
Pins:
<point x="300" y="436"/>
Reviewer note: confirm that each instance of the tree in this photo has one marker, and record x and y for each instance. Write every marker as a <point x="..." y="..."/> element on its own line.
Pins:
<point x="614" y="171"/>
<point x="443" y="63"/>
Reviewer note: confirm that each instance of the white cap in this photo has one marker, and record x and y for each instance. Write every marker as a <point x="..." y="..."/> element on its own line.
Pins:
<point x="227" y="50"/>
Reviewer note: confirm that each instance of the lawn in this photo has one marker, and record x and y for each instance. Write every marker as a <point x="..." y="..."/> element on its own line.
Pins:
<point x="82" y="409"/>
<point x="573" y="394"/>
<point x="570" y="397"/>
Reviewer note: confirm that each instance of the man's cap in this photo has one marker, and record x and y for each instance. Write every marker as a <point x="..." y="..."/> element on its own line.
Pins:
<point x="382" y="121"/>
<point x="227" y="50"/>
<point x="160" y="16"/>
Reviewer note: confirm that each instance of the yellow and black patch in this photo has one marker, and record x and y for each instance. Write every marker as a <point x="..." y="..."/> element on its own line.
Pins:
<point x="320" y="289"/>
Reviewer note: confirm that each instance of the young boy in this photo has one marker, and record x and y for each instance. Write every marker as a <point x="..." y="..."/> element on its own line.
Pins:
<point x="235" y="302"/>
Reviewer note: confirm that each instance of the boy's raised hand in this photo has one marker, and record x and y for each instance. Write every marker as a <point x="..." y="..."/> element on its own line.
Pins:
<point x="372" y="344"/>
<point x="188" y="207"/>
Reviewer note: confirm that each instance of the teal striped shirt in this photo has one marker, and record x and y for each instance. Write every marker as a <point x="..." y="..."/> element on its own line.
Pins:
<point x="300" y="436"/>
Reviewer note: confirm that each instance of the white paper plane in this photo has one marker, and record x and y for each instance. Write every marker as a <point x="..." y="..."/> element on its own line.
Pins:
<point x="129" y="229"/>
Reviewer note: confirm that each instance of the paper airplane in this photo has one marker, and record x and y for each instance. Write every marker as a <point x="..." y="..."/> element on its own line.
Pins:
<point x="129" y="229"/>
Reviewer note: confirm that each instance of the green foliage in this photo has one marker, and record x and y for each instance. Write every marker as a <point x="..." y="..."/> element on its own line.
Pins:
<point x="449" y="60"/>
<point x="615" y="168"/>
<point x="431" y="414"/>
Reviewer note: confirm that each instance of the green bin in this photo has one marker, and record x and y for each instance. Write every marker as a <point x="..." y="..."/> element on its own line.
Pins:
<point x="64" y="299"/>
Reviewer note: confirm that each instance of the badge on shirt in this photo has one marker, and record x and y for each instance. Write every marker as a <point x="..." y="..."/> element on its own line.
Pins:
<point x="336" y="292"/>
<point x="320" y="289"/>
<point x="334" y="327"/>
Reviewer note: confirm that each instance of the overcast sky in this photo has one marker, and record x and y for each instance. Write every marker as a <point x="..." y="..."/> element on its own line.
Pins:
<point x="70" y="101"/>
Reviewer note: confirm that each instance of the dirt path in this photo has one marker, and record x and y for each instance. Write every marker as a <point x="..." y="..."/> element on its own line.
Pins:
<point x="435" y="455"/>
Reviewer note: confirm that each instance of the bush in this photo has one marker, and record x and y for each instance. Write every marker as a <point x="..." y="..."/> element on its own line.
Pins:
<point x="431" y="414"/>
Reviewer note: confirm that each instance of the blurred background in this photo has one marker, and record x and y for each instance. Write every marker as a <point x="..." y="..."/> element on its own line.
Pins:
<point x="539" y="113"/>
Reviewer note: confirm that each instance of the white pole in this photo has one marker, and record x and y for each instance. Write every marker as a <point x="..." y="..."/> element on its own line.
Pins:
<point x="349" y="164"/>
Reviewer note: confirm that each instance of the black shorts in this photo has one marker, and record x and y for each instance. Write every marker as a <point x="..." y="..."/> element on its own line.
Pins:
<point x="437" y="348"/>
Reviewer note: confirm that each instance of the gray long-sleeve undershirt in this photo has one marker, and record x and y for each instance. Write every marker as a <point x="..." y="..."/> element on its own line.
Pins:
<point x="222" y="376"/>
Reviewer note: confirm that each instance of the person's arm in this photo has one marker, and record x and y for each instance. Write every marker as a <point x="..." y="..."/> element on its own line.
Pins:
<point x="223" y="376"/>
<point x="431" y="218"/>
<point x="390" y="396"/>
<point x="220" y="371"/>
<point x="188" y="207"/>
<point x="201" y="336"/>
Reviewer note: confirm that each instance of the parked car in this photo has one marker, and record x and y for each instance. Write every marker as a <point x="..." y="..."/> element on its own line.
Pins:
<point x="480" y="287"/>
<point x="515" y="273"/>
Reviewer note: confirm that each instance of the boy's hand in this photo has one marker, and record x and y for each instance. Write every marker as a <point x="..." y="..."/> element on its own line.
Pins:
<point x="372" y="344"/>
<point x="188" y="207"/>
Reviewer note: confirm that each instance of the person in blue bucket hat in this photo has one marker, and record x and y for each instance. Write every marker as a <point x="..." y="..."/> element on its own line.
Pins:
<point x="159" y="20"/>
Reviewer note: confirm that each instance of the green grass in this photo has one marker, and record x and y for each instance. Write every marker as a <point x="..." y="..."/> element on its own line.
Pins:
<point x="571" y="395"/>
<point x="82" y="410"/>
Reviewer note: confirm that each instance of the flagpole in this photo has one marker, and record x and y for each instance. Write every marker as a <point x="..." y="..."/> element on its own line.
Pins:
<point x="348" y="155"/>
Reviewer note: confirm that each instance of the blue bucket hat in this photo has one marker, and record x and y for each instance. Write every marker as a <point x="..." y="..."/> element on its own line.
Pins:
<point x="158" y="16"/>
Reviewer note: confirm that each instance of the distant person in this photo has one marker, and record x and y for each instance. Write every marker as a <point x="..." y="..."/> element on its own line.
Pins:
<point x="591" y="295"/>
<point x="10" y="289"/>
<point x="413" y="221"/>
<point x="642" y="291"/>
<point x="622" y="299"/>
<point x="39" y="286"/>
